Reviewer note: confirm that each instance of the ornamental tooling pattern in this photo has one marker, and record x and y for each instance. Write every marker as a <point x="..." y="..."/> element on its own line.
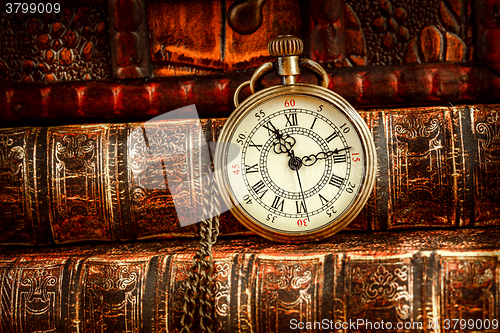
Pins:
<point x="380" y="289"/>
<point x="79" y="193"/>
<point x="31" y="294"/>
<point x="168" y="162"/>
<point x="419" y="142"/>
<point x="70" y="45"/>
<point x="469" y="288"/>
<point x="113" y="294"/>
<point x="15" y="216"/>
<point x="286" y="288"/>
<point x="487" y="174"/>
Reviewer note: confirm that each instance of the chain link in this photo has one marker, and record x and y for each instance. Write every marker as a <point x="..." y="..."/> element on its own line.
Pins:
<point x="199" y="293"/>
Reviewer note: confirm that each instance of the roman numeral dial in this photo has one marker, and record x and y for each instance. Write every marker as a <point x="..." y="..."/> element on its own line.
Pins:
<point x="281" y="180"/>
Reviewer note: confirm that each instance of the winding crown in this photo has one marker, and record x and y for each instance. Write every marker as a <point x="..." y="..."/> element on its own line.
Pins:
<point x="285" y="46"/>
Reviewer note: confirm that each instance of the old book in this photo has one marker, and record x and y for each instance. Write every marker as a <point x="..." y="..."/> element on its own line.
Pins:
<point x="437" y="167"/>
<point x="111" y="101"/>
<point x="423" y="281"/>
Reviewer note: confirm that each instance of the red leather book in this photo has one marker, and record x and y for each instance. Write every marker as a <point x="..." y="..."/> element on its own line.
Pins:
<point x="437" y="167"/>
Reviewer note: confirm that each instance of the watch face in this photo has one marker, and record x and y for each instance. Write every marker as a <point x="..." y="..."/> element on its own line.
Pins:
<point x="296" y="166"/>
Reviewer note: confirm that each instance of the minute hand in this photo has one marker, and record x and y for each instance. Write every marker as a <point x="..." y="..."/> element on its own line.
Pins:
<point x="311" y="159"/>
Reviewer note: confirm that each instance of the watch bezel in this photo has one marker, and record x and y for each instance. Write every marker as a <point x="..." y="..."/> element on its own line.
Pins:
<point x="366" y="187"/>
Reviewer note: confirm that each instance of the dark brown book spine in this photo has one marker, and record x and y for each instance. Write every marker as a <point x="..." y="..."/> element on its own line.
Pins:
<point x="426" y="278"/>
<point x="437" y="167"/>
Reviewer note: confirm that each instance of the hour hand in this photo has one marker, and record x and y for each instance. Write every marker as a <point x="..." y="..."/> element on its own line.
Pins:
<point x="311" y="159"/>
<point x="283" y="143"/>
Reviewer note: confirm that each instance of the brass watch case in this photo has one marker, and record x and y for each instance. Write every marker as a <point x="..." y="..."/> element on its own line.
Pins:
<point x="247" y="106"/>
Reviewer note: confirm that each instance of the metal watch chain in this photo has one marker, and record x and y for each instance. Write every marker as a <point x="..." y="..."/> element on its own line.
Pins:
<point x="199" y="293"/>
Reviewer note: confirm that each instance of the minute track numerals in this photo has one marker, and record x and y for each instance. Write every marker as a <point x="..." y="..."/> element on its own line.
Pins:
<point x="274" y="185"/>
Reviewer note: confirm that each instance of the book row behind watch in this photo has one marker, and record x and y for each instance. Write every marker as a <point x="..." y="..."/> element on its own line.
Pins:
<point x="437" y="167"/>
<point x="432" y="278"/>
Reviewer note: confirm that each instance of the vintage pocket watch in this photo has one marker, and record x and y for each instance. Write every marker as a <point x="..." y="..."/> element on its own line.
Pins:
<point x="294" y="162"/>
